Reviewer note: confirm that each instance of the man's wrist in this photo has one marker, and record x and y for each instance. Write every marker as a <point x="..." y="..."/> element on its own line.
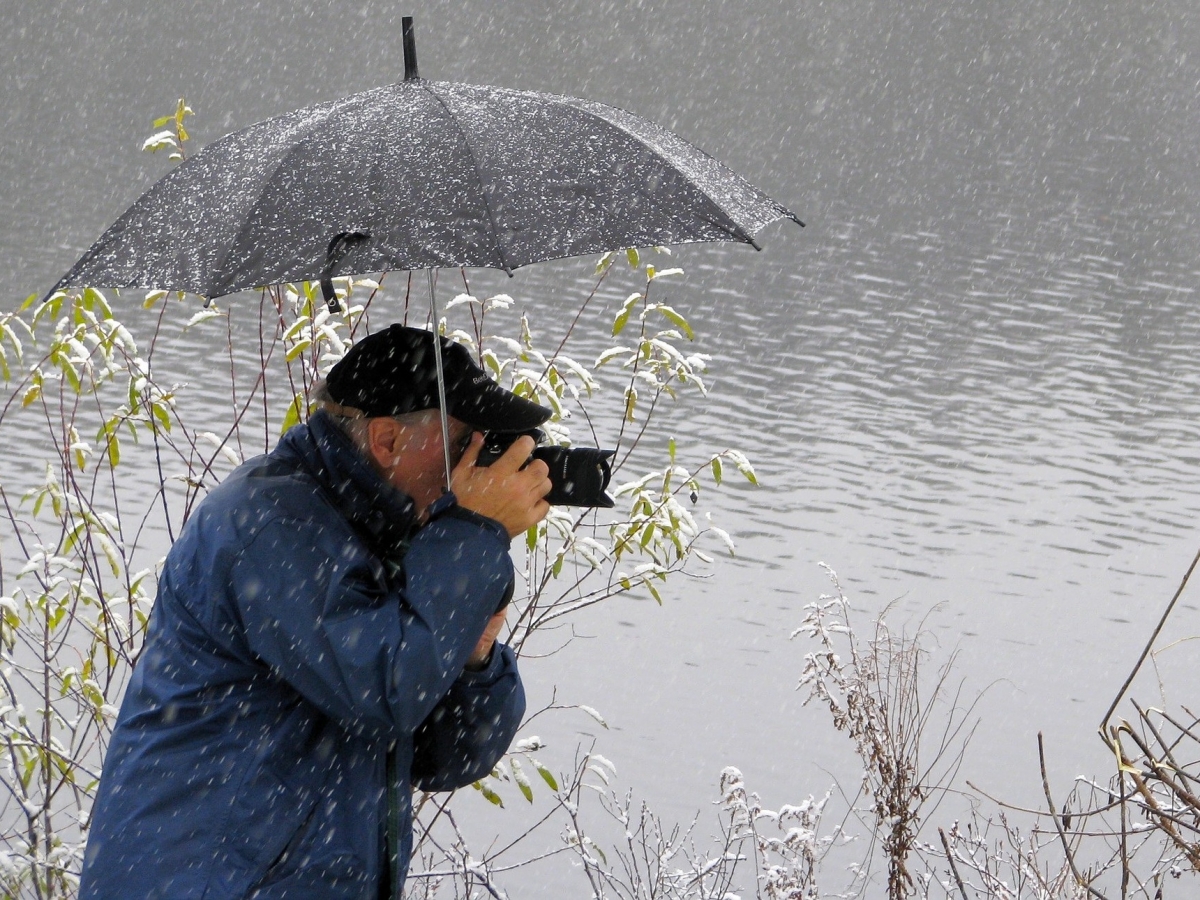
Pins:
<point x="479" y="663"/>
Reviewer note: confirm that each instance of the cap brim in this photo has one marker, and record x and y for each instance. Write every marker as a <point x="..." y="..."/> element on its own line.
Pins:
<point x="492" y="408"/>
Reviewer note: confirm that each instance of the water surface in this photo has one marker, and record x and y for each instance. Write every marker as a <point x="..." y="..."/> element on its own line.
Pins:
<point x="971" y="383"/>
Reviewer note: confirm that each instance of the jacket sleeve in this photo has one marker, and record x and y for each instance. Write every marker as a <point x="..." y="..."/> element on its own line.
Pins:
<point x="470" y="730"/>
<point x="313" y="605"/>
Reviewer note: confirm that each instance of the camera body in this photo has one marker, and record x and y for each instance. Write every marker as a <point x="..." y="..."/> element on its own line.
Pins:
<point x="579" y="475"/>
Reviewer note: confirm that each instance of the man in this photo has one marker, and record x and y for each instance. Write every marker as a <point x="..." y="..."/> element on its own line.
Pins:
<point x="324" y="639"/>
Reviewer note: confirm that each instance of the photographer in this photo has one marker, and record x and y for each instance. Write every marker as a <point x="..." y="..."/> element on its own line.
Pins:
<point x="323" y="640"/>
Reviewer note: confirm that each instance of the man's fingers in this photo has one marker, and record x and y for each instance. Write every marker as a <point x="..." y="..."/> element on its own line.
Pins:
<point x="539" y="477"/>
<point x="470" y="455"/>
<point x="512" y="490"/>
<point x="538" y="468"/>
<point x="515" y="456"/>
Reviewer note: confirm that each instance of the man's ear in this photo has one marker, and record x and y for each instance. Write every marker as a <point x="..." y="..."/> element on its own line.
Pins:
<point x="383" y="440"/>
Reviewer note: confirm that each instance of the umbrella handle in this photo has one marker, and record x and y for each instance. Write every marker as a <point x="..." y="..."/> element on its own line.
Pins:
<point x="338" y="248"/>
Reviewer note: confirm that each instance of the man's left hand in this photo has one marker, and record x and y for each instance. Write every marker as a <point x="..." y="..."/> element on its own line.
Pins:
<point x="482" y="653"/>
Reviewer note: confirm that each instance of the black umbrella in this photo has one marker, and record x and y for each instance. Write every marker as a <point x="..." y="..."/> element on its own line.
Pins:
<point x="420" y="175"/>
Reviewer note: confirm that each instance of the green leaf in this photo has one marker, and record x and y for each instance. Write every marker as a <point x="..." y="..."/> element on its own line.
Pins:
<point x="34" y="391"/>
<point x="114" y="449"/>
<point x="531" y="538"/>
<point x="492" y="363"/>
<point x="92" y="298"/>
<point x="292" y="416"/>
<point x="296" y="327"/>
<point x="73" y="537"/>
<point x="29" y="301"/>
<point x="522" y="780"/>
<point x="626" y="311"/>
<point x="488" y="794"/>
<point x="51" y="307"/>
<point x="298" y="349"/>
<point x="162" y="414"/>
<point x="679" y="321"/>
<point x="161" y="121"/>
<point x="671" y="449"/>
<point x="654" y="593"/>
<point x="610" y="354"/>
<point x="110" y="553"/>
<point x="632" y="255"/>
<point x="631" y="396"/>
<point x="647" y="535"/>
<point x="546" y="775"/>
<point x="310" y="299"/>
<point x="203" y="316"/>
<point x="652" y="273"/>
<point x="159" y="141"/>
<point x="68" y="369"/>
<point x="716" y="469"/>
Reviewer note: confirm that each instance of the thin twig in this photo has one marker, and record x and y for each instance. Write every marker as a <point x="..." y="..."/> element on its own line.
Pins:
<point x="1058" y="825"/>
<point x="1149" y="644"/>
<point x="953" y="868"/>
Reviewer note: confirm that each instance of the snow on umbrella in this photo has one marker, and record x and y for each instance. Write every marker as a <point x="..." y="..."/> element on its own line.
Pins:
<point x="420" y="174"/>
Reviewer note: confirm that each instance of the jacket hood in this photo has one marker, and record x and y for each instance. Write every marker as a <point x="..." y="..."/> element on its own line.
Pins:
<point x="382" y="515"/>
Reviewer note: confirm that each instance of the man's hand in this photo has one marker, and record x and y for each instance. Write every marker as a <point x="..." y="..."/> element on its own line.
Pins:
<point x="483" y="650"/>
<point x="513" y="496"/>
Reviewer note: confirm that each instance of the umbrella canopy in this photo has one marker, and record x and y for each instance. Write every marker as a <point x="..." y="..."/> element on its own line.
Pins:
<point x="416" y="175"/>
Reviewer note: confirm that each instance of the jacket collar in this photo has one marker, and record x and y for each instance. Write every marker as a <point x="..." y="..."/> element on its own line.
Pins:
<point x="383" y="516"/>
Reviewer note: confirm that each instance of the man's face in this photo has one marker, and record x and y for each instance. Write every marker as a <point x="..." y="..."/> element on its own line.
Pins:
<point x="416" y="464"/>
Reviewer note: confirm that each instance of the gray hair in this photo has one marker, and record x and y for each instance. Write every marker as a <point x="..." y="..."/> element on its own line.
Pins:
<point x="354" y="422"/>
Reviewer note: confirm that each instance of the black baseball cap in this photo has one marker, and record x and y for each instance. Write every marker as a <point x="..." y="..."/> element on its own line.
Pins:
<point x="392" y="372"/>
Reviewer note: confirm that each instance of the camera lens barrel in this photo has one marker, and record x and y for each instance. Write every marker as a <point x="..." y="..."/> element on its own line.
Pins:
<point x="579" y="475"/>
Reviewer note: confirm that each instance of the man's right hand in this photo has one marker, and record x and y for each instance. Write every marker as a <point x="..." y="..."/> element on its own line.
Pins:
<point x="504" y="491"/>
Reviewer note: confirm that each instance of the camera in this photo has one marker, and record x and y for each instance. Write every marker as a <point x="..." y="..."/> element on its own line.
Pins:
<point x="578" y="475"/>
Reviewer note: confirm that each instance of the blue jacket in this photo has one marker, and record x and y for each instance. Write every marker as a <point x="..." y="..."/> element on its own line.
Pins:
<point x="306" y="643"/>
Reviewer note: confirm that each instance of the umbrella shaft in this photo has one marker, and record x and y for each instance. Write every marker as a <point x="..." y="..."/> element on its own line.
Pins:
<point x="441" y="379"/>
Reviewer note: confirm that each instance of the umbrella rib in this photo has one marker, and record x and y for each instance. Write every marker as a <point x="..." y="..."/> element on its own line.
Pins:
<point x="493" y="232"/>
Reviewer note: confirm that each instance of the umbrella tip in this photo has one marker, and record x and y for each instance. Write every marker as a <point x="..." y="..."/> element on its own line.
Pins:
<point x="410" y="48"/>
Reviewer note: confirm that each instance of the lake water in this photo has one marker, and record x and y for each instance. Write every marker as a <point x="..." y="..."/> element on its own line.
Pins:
<point x="970" y="383"/>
